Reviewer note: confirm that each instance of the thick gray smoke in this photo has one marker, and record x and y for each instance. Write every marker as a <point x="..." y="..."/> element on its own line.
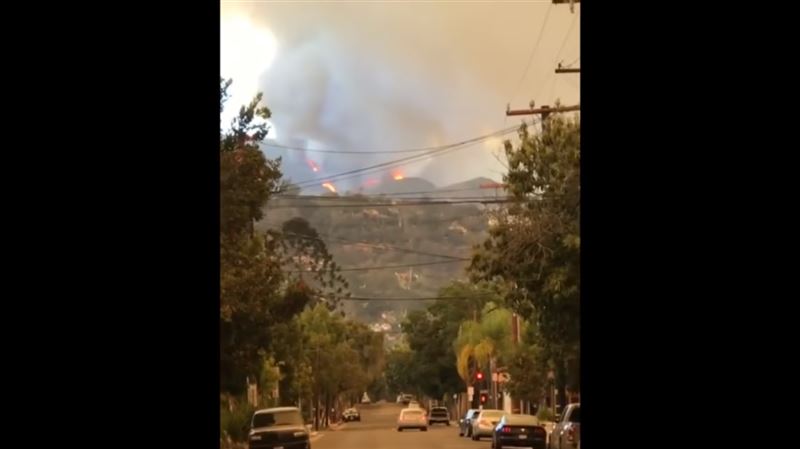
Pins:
<point x="388" y="76"/>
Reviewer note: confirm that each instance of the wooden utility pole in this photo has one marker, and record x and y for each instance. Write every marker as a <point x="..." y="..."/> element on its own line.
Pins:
<point x="571" y="4"/>
<point x="572" y="10"/>
<point x="560" y="69"/>
<point x="544" y="111"/>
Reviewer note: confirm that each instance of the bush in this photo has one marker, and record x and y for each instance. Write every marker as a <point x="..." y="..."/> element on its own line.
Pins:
<point x="545" y="414"/>
<point x="233" y="423"/>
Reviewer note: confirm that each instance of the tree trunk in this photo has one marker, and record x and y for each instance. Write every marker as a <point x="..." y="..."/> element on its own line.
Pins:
<point x="316" y="410"/>
<point x="327" y="409"/>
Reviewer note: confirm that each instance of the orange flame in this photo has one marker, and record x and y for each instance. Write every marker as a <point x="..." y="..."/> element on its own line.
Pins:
<point x="329" y="186"/>
<point x="313" y="165"/>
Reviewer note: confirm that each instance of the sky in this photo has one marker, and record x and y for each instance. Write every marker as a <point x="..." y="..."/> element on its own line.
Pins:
<point x="387" y="75"/>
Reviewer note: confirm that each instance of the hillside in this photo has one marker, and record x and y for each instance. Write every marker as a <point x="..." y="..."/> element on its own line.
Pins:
<point x="372" y="236"/>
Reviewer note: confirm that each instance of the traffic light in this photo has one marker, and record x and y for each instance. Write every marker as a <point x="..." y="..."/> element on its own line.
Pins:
<point x="479" y="375"/>
<point x="484" y="398"/>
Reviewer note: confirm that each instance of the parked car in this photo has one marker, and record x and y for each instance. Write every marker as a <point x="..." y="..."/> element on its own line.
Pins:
<point x="440" y="415"/>
<point x="278" y="427"/>
<point x="414" y="404"/>
<point x="412" y="418"/>
<point x="465" y="423"/>
<point x="519" y="430"/>
<point x="567" y="431"/>
<point x="483" y="425"/>
<point x="351" y="414"/>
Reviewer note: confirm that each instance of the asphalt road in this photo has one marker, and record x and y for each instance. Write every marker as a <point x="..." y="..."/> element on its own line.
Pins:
<point x="378" y="430"/>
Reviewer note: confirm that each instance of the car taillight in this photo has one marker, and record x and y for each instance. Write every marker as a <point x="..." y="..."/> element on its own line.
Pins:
<point x="506" y="430"/>
<point x="539" y="431"/>
<point x="571" y="434"/>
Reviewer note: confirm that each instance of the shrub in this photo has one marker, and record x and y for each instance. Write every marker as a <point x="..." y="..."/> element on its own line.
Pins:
<point x="233" y="423"/>
<point x="545" y="414"/>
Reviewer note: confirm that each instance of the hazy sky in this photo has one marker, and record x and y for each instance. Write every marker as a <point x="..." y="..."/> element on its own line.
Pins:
<point x="392" y="75"/>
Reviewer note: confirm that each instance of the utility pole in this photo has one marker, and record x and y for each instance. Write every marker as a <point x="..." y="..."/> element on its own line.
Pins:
<point x="544" y="111"/>
<point x="572" y="10"/>
<point x="571" y="4"/>
<point x="560" y="69"/>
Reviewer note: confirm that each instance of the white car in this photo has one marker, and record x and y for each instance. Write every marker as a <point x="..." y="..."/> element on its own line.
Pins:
<point x="412" y="418"/>
<point x="483" y="425"/>
<point x="413" y="404"/>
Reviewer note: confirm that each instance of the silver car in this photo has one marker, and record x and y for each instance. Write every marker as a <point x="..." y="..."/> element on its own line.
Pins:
<point x="567" y="431"/>
<point x="483" y="425"/>
<point x="412" y="418"/>
<point x="465" y="423"/>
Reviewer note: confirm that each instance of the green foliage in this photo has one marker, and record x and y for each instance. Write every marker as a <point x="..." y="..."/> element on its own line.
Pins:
<point x="536" y="244"/>
<point x="528" y="366"/>
<point x="545" y="414"/>
<point x="258" y="299"/>
<point x="233" y="423"/>
<point x="313" y="275"/>
<point x="344" y="357"/>
<point x="399" y="371"/>
<point x="432" y="366"/>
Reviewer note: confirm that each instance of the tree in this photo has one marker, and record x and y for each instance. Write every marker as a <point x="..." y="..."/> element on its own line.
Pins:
<point x="338" y="367"/>
<point x="536" y="243"/>
<point x="315" y="276"/>
<point x="247" y="177"/>
<point x="528" y="366"/>
<point x="483" y="342"/>
<point x="249" y="290"/>
<point x="399" y="371"/>
<point x="434" y="364"/>
<point x="250" y="275"/>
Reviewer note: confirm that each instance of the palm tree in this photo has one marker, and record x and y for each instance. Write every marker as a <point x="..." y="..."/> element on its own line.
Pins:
<point x="484" y="341"/>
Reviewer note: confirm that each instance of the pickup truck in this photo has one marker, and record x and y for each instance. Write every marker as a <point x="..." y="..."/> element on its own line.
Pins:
<point x="567" y="431"/>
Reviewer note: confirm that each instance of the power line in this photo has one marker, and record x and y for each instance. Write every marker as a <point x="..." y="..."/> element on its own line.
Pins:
<point x="351" y="200"/>
<point x="403" y="204"/>
<point x="415" y="158"/>
<point x="387" y="267"/>
<point x="566" y="36"/>
<point x="533" y="52"/>
<point x="377" y="195"/>
<point x="375" y="245"/>
<point x="391" y="164"/>
<point x="310" y="150"/>
<point x="411" y="298"/>
<point x="408" y="223"/>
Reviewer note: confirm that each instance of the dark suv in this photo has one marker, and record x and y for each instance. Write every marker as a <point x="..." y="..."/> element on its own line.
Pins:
<point x="275" y="428"/>
<point x="440" y="415"/>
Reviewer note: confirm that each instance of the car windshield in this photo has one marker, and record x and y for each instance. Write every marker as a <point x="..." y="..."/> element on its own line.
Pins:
<point x="282" y="418"/>
<point x="412" y="413"/>
<point x="575" y="416"/>
<point x="492" y="414"/>
<point x="439" y="411"/>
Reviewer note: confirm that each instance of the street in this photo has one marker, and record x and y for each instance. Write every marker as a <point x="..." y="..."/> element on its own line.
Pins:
<point x="378" y="430"/>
